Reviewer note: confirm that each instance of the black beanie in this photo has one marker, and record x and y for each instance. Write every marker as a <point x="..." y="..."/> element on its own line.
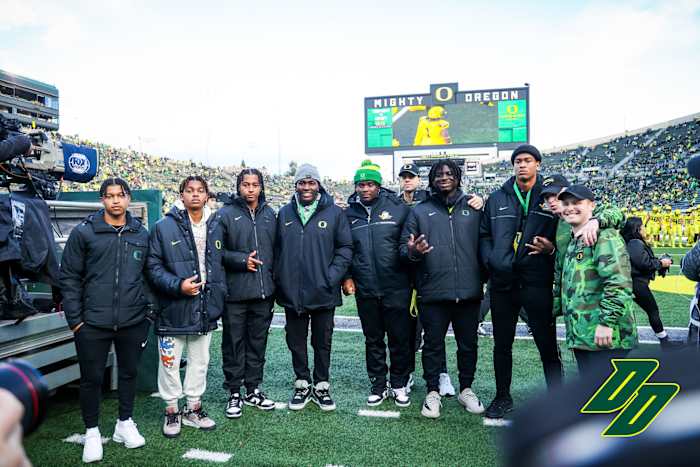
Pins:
<point x="528" y="148"/>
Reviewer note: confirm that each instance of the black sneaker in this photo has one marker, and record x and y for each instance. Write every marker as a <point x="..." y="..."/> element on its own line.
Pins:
<point x="258" y="399"/>
<point x="301" y="396"/>
<point x="234" y="407"/>
<point x="377" y="396"/>
<point x="499" y="407"/>
<point x="322" y="397"/>
<point x="667" y="344"/>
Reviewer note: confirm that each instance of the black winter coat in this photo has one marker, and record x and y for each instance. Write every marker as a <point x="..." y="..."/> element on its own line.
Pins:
<point x="644" y="262"/>
<point x="377" y="267"/>
<point x="452" y="270"/>
<point x="243" y="234"/>
<point x="502" y="218"/>
<point x="102" y="274"/>
<point x="311" y="260"/>
<point x="172" y="258"/>
<point x="418" y="197"/>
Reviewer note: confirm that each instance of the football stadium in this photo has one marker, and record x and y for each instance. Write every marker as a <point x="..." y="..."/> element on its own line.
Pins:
<point x="465" y="295"/>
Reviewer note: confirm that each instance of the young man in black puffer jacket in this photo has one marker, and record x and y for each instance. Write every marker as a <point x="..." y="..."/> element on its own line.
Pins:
<point x="517" y="247"/>
<point x="249" y="229"/>
<point x="185" y="265"/>
<point x="105" y="302"/>
<point x="441" y="235"/>
<point x="381" y="283"/>
<point x="313" y="251"/>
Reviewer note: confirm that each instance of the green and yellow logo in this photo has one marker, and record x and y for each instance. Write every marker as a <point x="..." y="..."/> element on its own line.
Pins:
<point x="627" y="391"/>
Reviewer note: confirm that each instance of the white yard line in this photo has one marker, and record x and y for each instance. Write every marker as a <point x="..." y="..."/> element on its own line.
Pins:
<point x="209" y="456"/>
<point x="497" y="422"/>
<point x="378" y="413"/>
<point x="77" y="438"/>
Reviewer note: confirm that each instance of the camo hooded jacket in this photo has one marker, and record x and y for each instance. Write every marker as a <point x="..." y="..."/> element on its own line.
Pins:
<point x="593" y="285"/>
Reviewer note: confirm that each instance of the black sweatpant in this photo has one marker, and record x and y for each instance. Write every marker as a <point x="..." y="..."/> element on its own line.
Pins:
<point x="505" y="306"/>
<point x="92" y="345"/>
<point x="592" y="360"/>
<point x="436" y="318"/>
<point x="645" y="299"/>
<point x="243" y="344"/>
<point x="379" y="320"/>
<point x="297" y="330"/>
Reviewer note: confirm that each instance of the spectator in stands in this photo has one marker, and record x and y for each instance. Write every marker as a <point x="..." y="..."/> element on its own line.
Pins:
<point x="104" y="304"/>
<point x="313" y="253"/>
<point x="186" y="268"/>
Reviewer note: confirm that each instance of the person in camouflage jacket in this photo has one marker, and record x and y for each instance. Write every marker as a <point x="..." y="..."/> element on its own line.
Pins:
<point x="593" y="287"/>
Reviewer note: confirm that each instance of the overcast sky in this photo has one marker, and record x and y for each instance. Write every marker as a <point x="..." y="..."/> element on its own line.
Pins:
<point x="231" y="80"/>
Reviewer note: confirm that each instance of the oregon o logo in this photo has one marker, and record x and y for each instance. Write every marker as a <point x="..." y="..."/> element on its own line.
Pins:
<point x="443" y="94"/>
<point x="322" y="224"/>
<point x="579" y="256"/>
<point x="78" y="163"/>
<point x="512" y="109"/>
<point x="217" y="244"/>
<point x="138" y="255"/>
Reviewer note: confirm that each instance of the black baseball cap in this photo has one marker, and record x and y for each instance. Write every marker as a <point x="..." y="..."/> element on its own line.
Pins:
<point x="578" y="192"/>
<point x="409" y="168"/>
<point x="553" y="184"/>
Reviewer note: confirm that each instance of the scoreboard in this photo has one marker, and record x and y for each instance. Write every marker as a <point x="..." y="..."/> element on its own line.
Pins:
<point x="447" y="117"/>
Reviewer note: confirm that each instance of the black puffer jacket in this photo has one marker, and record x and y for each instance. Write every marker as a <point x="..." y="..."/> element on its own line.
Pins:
<point x="244" y="233"/>
<point x="376" y="262"/>
<point x="452" y="270"/>
<point x="172" y="258"/>
<point x="418" y="197"/>
<point x="502" y="218"/>
<point x="102" y="273"/>
<point x="644" y="262"/>
<point x="311" y="260"/>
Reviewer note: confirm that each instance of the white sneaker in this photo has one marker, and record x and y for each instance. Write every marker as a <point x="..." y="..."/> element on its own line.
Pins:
<point x="446" y="388"/>
<point x="431" y="406"/>
<point x="92" y="450"/>
<point x="470" y="402"/>
<point x="481" y="330"/>
<point x="401" y="397"/>
<point x="375" y="399"/>
<point x="127" y="433"/>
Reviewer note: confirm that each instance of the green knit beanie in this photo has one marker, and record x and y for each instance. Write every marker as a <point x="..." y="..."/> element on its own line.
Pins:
<point x="368" y="171"/>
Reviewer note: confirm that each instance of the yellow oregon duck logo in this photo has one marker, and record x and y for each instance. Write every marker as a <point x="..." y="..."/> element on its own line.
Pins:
<point x="385" y="216"/>
<point x="322" y="224"/>
<point x="579" y="256"/>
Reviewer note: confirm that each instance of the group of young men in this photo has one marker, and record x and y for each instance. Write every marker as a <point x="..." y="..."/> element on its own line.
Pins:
<point x="538" y="242"/>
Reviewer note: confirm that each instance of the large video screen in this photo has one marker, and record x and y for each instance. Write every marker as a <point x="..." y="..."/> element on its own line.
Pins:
<point x="469" y="118"/>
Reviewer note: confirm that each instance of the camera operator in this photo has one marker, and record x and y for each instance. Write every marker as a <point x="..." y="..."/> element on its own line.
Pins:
<point x="14" y="146"/>
<point x="645" y="265"/>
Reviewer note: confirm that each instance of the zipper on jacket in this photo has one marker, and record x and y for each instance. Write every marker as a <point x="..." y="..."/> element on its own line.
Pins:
<point x="454" y="254"/>
<point x="373" y="260"/>
<point x="115" y="299"/>
<point x="255" y="235"/>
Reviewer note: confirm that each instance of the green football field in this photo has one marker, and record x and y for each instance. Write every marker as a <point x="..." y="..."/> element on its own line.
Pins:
<point x="309" y="437"/>
<point x="313" y="438"/>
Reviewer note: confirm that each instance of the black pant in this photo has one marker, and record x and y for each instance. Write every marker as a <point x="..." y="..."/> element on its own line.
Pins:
<point x="378" y="320"/>
<point x="591" y="360"/>
<point x="297" y="330"/>
<point x="416" y="330"/>
<point x="486" y="307"/>
<point x="505" y="306"/>
<point x="645" y="299"/>
<point x="92" y="345"/>
<point x="243" y="344"/>
<point x="436" y="318"/>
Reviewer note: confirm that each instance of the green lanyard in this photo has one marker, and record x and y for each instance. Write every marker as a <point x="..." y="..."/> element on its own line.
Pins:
<point x="523" y="202"/>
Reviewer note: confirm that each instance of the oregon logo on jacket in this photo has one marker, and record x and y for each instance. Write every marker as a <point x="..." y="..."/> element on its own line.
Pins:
<point x="627" y="391"/>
